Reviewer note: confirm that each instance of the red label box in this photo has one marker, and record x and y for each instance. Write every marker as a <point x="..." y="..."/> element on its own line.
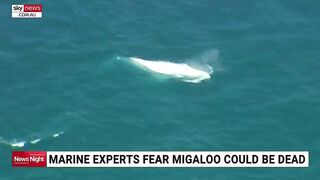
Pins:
<point x="29" y="159"/>
<point x="32" y="8"/>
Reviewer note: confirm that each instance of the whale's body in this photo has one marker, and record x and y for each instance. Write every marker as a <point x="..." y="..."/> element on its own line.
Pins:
<point x="177" y="70"/>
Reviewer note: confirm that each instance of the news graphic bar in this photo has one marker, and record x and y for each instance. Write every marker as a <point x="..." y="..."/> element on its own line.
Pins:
<point x="29" y="159"/>
<point x="27" y="11"/>
<point x="166" y="159"/>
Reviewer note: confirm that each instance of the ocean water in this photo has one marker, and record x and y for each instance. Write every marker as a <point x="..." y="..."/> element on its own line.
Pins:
<point x="66" y="83"/>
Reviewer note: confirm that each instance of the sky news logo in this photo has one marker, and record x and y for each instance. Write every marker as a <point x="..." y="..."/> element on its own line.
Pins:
<point x="29" y="159"/>
<point x="27" y="11"/>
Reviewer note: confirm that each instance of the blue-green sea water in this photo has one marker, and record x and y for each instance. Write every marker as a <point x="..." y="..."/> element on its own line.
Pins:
<point x="61" y="81"/>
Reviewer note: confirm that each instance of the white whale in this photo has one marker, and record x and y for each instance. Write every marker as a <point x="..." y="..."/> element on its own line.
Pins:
<point x="182" y="71"/>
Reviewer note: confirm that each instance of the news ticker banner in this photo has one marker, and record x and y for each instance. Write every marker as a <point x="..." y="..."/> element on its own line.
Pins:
<point x="160" y="159"/>
<point x="27" y="11"/>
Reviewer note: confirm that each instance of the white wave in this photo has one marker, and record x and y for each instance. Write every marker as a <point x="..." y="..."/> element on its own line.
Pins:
<point x="35" y="141"/>
<point x="178" y="70"/>
<point x="17" y="144"/>
<point x="57" y="134"/>
<point x="13" y="143"/>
